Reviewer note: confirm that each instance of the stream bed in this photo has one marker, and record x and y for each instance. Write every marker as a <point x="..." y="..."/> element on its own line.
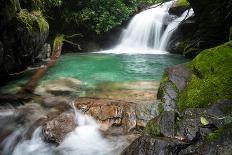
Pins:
<point x="117" y="90"/>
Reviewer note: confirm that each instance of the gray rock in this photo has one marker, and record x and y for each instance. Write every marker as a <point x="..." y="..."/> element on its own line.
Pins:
<point x="146" y="145"/>
<point x="177" y="78"/>
<point x="55" y="130"/>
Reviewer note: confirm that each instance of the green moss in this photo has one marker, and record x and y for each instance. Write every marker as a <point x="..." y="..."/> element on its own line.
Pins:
<point x="182" y="3"/>
<point x="57" y="41"/>
<point x="160" y="108"/>
<point x="152" y="128"/>
<point x="214" y="135"/>
<point x="211" y="79"/>
<point x="32" y="21"/>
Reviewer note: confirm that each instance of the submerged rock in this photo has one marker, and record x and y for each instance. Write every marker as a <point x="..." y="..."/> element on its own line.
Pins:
<point x="54" y="131"/>
<point x="59" y="87"/>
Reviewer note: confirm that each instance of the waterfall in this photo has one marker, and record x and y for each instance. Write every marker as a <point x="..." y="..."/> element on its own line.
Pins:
<point x="146" y="33"/>
<point x="86" y="139"/>
<point x="171" y="29"/>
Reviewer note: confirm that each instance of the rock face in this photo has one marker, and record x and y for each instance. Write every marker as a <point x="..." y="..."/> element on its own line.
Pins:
<point x="146" y="145"/>
<point x="187" y="133"/>
<point x="174" y="81"/>
<point x="111" y="113"/>
<point x="22" y="34"/>
<point x="55" y="130"/>
<point x="203" y="81"/>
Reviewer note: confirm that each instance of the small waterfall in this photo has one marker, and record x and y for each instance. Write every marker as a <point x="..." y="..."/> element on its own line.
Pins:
<point x="145" y="29"/>
<point x="86" y="139"/>
<point x="145" y="33"/>
<point x="172" y="27"/>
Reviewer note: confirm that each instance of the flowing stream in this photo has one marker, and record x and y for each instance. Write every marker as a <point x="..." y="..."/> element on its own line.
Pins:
<point x="138" y="57"/>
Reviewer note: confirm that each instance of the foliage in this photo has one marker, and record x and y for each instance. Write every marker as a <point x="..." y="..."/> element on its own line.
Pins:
<point x="32" y="20"/>
<point x="211" y="79"/>
<point x="182" y="3"/>
<point x="97" y="16"/>
<point x="152" y="128"/>
<point x="57" y="41"/>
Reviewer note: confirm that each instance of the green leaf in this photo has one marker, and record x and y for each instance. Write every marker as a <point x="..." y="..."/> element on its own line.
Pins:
<point x="204" y="121"/>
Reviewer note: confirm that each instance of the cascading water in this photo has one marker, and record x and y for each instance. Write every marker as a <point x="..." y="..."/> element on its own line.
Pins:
<point x="146" y="33"/>
<point x="172" y="27"/>
<point x="86" y="139"/>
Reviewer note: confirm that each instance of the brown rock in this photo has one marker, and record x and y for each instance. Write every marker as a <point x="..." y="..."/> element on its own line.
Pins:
<point x="55" y="130"/>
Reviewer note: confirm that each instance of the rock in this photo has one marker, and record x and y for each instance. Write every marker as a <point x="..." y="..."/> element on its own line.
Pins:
<point x="44" y="53"/>
<point x="163" y="125"/>
<point x="122" y="114"/>
<point x="54" y="131"/>
<point x="222" y="146"/>
<point x="220" y="21"/>
<point x="177" y="10"/>
<point x="146" y="145"/>
<point x="210" y="80"/>
<point x="23" y="34"/>
<point x="60" y="87"/>
<point x="174" y="81"/>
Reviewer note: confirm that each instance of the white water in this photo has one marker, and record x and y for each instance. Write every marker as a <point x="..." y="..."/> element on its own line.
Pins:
<point x="171" y="29"/>
<point x="86" y="139"/>
<point x="145" y="33"/>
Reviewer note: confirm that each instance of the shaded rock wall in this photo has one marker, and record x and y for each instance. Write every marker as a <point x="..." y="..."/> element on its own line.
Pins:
<point x="22" y="35"/>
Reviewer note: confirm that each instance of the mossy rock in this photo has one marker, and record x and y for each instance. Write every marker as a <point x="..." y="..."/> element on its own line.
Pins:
<point x="211" y="79"/>
<point x="181" y="3"/>
<point x="152" y="128"/>
<point x="32" y="21"/>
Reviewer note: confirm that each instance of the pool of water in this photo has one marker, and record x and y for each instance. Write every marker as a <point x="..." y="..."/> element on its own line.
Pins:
<point x="95" y="68"/>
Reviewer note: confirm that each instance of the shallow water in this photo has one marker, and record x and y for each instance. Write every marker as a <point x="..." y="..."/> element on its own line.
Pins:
<point x="94" y="68"/>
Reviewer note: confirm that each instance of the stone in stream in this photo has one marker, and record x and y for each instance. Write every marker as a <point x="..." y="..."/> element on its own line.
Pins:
<point x="60" y="87"/>
<point x="54" y="131"/>
<point x="111" y="113"/>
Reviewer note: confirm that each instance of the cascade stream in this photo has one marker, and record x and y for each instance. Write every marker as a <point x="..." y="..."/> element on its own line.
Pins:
<point x="148" y="33"/>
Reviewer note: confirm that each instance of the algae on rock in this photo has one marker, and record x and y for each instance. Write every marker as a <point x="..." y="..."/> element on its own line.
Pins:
<point x="211" y="79"/>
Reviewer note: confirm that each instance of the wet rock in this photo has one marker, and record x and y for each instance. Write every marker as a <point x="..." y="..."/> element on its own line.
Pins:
<point x="178" y="10"/>
<point x="163" y="125"/>
<point x="146" y="145"/>
<point x="110" y="113"/>
<point x="174" y="81"/>
<point x="55" y="130"/>
<point x="23" y="34"/>
<point x="222" y="146"/>
<point x="44" y="53"/>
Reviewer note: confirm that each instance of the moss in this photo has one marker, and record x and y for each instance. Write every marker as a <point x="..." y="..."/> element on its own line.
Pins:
<point x="211" y="79"/>
<point x="152" y="128"/>
<point x="182" y="3"/>
<point x="32" y="21"/>
<point x="160" y="108"/>
<point x="214" y="135"/>
<point x="57" y="41"/>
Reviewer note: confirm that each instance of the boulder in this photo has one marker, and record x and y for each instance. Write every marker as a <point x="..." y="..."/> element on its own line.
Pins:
<point x="145" y="145"/>
<point x="54" y="131"/>
<point x="23" y="34"/>
<point x="115" y="113"/>
<point x="174" y="81"/>
<point x="163" y="125"/>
